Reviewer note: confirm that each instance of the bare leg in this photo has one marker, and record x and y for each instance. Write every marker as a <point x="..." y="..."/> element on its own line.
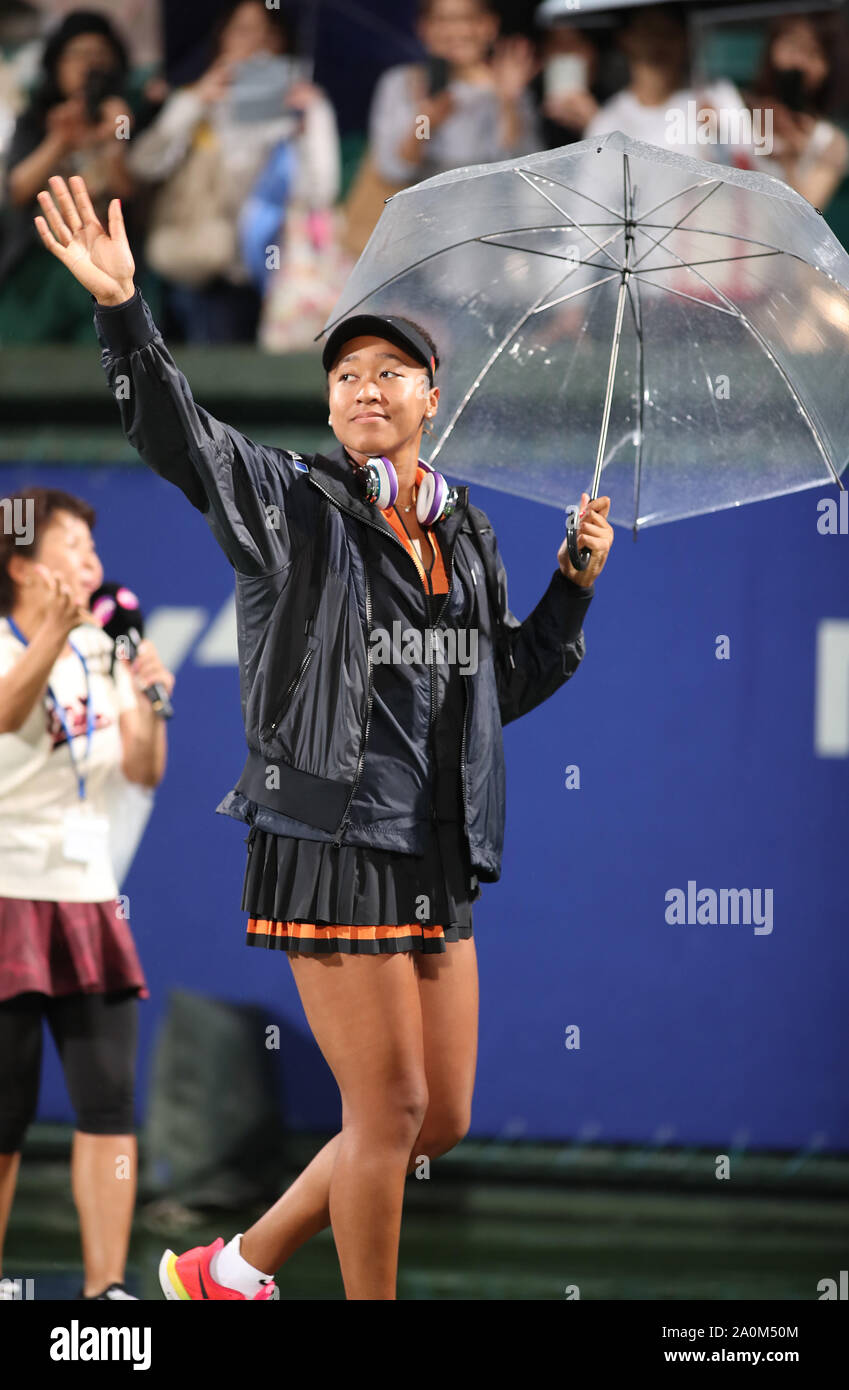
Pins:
<point x="448" y="997"/>
<point x="9" y="1165"/>
<point x="103" y="1181"/>
<point x="364" y="1014"/>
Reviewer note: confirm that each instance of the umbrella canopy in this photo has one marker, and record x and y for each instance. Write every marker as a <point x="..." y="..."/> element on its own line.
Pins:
<point x="674" y="329"/>
<point x="568" y="12"/>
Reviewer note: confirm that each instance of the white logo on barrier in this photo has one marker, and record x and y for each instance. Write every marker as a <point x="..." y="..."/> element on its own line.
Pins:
<point x="831" y="717"/>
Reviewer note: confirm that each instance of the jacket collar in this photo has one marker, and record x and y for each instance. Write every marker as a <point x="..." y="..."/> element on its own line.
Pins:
<point x="335" y="474"/>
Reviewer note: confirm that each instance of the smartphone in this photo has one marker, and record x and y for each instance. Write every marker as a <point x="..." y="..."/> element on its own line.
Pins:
<point x="259" y="87"/>
<point x="438" y="74"/>
<point x="790" y="89"/>
<point x="563" y="74"/>
<point x="100" y="84"/>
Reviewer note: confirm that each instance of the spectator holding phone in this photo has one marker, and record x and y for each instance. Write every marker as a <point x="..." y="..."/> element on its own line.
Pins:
<point x="803" y="77"/>
<point x="566" y="89"/>
<point x="468" y="103"/>
<point x="78" y="120"/>
<point x="205" y="151"/>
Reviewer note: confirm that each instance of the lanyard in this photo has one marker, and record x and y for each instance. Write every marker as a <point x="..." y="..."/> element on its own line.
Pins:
<point x="60" y="713"/>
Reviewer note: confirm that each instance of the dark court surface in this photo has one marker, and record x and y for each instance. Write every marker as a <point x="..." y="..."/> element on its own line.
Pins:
<point x="507" y="1221"/>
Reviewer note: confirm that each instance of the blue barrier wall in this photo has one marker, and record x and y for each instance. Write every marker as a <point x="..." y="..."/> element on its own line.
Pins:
<point x="692" y="770"/>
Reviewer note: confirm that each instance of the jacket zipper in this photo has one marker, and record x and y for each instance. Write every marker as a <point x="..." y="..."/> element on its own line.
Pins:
<point x="465" y="722"/>
<point x="337" y="840"/>
<point x="463" y="755"/>
<point x="434" y="623"/>
<point x="388" y="533"/>
<point x="293" y="685"/>
<point x="364" y="731"/>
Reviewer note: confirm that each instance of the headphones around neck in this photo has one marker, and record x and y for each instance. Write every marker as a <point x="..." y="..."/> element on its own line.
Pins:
<point x="435" y="500"/>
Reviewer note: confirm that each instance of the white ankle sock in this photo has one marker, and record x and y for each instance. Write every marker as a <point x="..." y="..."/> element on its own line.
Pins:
<point x="229" y="1268"/>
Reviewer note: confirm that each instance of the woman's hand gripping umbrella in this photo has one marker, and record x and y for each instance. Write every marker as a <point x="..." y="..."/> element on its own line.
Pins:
<point x="594" y="539"/>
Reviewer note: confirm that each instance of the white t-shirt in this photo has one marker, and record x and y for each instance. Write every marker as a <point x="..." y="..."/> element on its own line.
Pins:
<point x="38" y="783"/>
<point x="662" y="192"/>
<point x="665" y="125"/>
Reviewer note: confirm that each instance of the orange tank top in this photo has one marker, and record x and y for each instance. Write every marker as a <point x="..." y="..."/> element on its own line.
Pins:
<point x="438" y="577"/>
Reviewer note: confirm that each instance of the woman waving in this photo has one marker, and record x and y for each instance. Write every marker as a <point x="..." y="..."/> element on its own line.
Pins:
<point x="378" y="662"/>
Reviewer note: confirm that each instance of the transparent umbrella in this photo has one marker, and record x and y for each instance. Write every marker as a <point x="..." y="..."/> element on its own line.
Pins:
<point x="674" y="330"/>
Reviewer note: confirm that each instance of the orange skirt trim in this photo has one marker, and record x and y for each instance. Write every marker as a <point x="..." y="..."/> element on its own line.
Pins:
<point x="308" y="931"/>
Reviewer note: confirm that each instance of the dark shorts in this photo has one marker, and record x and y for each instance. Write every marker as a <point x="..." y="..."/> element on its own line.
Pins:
<point x="314" y="898"/>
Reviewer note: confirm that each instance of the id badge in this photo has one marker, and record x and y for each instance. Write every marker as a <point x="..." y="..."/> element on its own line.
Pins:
<point x="85" y="835"/>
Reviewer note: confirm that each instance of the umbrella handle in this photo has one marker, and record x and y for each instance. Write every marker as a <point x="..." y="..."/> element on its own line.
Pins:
<point x="580" y="558"/>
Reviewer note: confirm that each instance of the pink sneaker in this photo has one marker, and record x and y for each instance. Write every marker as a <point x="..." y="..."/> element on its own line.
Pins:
<point x="187" y="1276"/>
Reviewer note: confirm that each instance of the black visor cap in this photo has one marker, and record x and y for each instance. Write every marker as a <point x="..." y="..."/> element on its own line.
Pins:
<point x="379" y="326"/>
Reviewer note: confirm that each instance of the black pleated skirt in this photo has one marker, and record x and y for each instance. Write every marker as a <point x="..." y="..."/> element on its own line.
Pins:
<point x="316" y="898"/>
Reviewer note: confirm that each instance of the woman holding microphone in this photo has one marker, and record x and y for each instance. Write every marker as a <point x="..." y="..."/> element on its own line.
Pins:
<point x="72" y="715"/>
<point x="374" y="784"/>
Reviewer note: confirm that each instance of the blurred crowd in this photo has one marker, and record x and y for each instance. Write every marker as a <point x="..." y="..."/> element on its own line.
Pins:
<point x="242" y="224"/>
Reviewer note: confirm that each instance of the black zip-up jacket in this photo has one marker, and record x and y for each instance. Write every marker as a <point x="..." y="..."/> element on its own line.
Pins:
<point x="307" y="551"/>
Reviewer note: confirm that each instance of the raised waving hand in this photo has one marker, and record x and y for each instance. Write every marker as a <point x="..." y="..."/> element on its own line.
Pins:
<point x="101" y="260"/>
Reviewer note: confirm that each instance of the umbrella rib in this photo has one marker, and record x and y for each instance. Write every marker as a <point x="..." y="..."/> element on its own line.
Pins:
<point x="568" y="189"/>
<point x="649" y="270"/>
<point x="690" y="265"/>
<point x="532" y="251"/>
<point x="675" y="228"/>
<point x="712" y="260"/>
<point x="795" y="394"/>
<point x="628" y="193"/>
<point x="641" y="379"/>
<point x="466" y="241"/>
<point x="680" y="194"/>
<point x="573" y="294"/>
<point x="548" y="227"/>
<point x="497" y="351"/>
<point x="638" y="329"/>
<point x="750" y="241"/>
<point x="552" y="255"/>
<point x="563" y="211"/>
<point x="710" y="231"/>
<point x="756" y="333"/>
<point x="702" y="303"/>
